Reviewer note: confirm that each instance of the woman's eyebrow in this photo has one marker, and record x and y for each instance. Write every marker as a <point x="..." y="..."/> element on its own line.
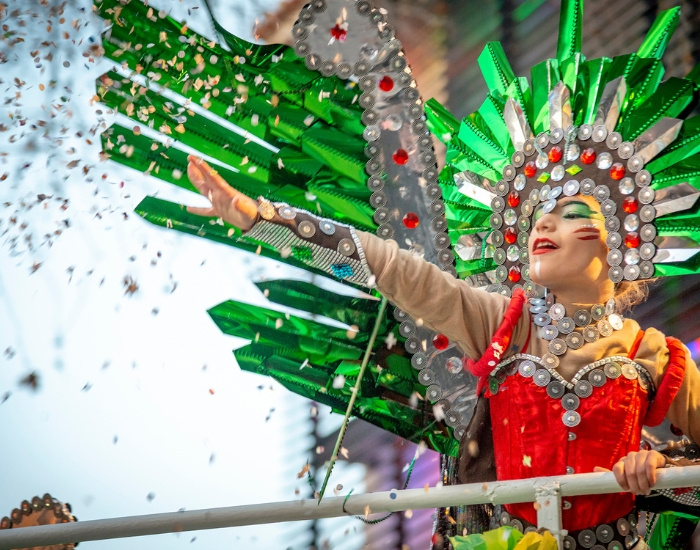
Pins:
<point x="583" y="204"/>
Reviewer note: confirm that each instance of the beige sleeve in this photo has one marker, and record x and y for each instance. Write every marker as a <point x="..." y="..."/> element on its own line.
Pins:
<point x="684" y="411"/>
<point x="465" y="315"/>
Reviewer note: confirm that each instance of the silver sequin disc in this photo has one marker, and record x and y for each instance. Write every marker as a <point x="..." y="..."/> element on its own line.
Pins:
<point x="542" y="320"/>
<point x="550" y="332"/>
<point x="571" y="419"/>
<point x="527" y="368"/>
<point x="597" y="312"/>
<point x="590" y="334"/>
<point x="647" y="251"/>
<point x="346" y="247"/>
<point x="614" y="257"/>
<point x="571" y="187"/>
<point x="574" y="340"/>
<point x="287" y="213"/>
<point x="583" y="388"/>
<point x="570" y="402"/>
<point x="557" y="346"/>
<point x="555" y="389"/>
<point x="542" y="377"/>
<point x="604" y="328"/>
<point x="306" y="229"/>
<point x="582" y="318"/>
<point x="326" y="227"/>
<point x="550" y="360"/>
<point x="557" y="312"/>
<point x="616" y="321"/>
<point x="612" y="370"/>
<point x="566" y="325"/>
<point x="597" y="378"/>
<point x="629" y="372"/>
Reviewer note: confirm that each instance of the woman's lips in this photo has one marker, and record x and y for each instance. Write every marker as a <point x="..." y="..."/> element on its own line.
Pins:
<point x="543" y="246"/>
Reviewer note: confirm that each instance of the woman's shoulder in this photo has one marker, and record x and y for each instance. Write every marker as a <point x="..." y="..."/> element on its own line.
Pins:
<point x="656" y="350"/>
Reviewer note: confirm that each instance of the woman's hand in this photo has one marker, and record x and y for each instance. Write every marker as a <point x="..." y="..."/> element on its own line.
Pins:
<point x="636" y="472"/>
<point x="227" y="203"/>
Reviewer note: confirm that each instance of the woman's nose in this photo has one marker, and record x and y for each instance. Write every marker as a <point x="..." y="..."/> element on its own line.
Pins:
<point x="544" y="222"/>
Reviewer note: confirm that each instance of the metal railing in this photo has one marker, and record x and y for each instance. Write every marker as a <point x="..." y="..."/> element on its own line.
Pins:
<point x="546" y="491"/>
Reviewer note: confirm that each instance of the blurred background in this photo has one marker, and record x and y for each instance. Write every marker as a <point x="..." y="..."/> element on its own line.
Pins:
<point x="117" y="392"/>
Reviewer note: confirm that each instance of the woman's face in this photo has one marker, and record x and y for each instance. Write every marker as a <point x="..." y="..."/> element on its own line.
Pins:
<point x="567" y="245"/>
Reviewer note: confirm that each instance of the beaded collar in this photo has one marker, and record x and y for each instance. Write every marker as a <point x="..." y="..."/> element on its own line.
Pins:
<point x="561" y="331"/>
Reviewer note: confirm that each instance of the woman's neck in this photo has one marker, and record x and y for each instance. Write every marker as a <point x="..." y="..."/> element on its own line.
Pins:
<point x="577" y="298"/>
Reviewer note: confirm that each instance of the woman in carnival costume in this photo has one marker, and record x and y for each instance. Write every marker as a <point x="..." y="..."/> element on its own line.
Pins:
<point x="569" y="381"/>
<point x="574" y="190"/>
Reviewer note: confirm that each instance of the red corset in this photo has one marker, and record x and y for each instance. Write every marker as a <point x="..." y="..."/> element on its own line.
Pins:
<point x="531" y="439"/>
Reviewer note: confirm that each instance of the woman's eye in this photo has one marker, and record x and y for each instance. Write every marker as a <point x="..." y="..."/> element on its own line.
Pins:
<point x="575" y="216"/>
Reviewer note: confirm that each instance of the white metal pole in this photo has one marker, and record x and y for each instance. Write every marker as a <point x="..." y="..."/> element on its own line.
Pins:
<point x="548" y="504"/>
<point x="523" y="490"/>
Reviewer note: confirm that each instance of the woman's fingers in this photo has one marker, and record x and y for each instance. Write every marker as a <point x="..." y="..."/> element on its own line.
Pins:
<point x="197" y="178"/>
<point x="226" y="202"/>
<point x="210" y="176"/>
<point x="202" y="211"/>
<point x="619" y="470"/>
<point x="637" y="471"/>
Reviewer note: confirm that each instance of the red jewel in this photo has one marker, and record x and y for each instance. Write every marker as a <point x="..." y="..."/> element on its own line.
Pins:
<point x="411" y="220"/>
<point x="386" y="84"/>
<point x="617" y="171"/>
<point x="632" y="240"/>
<point x="630" y="205"/>
<point x="338" y="33"/>
<point x="514" y="274"/>
<point x="511" y="235"/>
<point x="675" y="430"/>
<point x="530" y="169"/>
<point x="441" y="341"/>
<point x="513" y="199"/>
<point x="588" y="156"/>
<point x="401" y="156"/>
<point x="555" y="154"/>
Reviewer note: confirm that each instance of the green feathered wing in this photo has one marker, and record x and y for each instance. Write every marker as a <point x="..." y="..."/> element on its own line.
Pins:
<point x="276" y="128"/>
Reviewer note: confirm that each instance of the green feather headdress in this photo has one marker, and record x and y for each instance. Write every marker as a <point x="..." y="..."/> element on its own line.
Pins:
<point x="603" y="127"/>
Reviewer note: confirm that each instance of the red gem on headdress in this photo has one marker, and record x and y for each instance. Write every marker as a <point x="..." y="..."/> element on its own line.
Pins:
<point x="555" y="154"/>
<point x="630" y="205"/>
<point x="441" y="341"/>
<point x="632" y="240"/>
<point x="588" y="156"/>
<point x="514" y="274"/>
<point x="400" y="157"/>
<point x="513" y="198"/>
<point x="510" y="235"/>
<point x="411" y="220"/>
<point x="617" y="171"/>
<point x="530" y="169"/>
<point x="338" y="33"/>
<point x="386" y="84"/>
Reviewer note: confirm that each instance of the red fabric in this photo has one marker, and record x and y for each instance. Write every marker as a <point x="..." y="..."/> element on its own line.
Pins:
<point x="530" y="440"/>
<point x="501" y="339"/>
<point x="670" y="383"/>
